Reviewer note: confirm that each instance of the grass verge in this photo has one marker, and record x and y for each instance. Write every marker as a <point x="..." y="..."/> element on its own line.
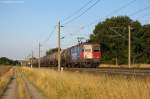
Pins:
<point x="67" y="85"/>
<point x="21" y="86"/>
<point x="126" y="66"/>
<point x="4" y="80"/>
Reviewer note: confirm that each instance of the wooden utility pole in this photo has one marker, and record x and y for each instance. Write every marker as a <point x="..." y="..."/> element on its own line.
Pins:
<point x="116" y="61"/>
<point x="59" y="60"/>
<point x="32" y="60"/>
<point x="129" y="46"/>
<point x="39" y="61"/>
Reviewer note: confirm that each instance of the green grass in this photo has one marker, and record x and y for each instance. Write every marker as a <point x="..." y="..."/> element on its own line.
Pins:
<point x="67" y="85"/>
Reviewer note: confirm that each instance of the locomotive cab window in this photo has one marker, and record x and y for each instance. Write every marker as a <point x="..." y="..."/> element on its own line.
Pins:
<point x="96" y="49"/>
<point x="87" y="50"/>
<point x="82" y="50"/>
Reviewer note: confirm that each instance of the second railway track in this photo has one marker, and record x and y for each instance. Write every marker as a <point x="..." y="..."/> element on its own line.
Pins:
<point x="108" y="70"/>
<point x="121" y="71"/>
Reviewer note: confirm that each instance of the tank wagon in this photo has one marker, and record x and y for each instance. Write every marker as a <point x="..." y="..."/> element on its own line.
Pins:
<point x="81" y="55"/>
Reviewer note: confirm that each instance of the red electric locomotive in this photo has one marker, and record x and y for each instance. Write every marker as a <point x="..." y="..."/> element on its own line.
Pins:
<point x="82" y="55"/>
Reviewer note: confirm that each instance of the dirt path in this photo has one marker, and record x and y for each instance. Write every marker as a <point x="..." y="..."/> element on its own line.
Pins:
<point x="11" y="91"/>
<point x="34" y="93"/>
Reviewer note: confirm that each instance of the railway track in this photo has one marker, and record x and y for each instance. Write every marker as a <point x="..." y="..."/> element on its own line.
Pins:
<point x="111" y="71"/>
<point x="117" y="71"/>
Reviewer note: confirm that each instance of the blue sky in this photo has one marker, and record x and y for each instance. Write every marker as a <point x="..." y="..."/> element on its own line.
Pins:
<point x="25" y="23"/>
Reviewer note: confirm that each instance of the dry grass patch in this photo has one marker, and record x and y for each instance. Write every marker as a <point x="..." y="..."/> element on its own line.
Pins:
<point x="68" y="85"/>
<point x="4" y="69"/>
<point x="4" y="80"/>
<point x="21" y="86"/>
<point x="132" y="65"/>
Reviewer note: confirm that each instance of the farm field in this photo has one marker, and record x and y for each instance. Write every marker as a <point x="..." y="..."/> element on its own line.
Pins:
<point x="67" y="85"/>
<point x="4" y="69"/>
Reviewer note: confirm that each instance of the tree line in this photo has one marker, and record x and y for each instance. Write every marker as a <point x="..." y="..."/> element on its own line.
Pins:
<point x="6" y="61"/>
<point x="112" y="35"/>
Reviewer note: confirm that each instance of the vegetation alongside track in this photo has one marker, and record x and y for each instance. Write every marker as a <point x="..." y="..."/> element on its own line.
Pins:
<point x="112" y="35"/>
<point x="67" y="85"/>
<point x="126" y="66"/>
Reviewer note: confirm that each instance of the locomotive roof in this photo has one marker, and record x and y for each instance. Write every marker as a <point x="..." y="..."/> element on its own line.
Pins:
<point x="85" y="43"/>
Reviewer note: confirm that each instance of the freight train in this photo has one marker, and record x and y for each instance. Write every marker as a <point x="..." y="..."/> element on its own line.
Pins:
<point x="81" y="55"/>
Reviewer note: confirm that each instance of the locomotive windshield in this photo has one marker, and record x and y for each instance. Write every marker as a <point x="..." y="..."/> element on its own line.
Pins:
<point x="87" y="50"/>
<point x="96" y="49"/>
